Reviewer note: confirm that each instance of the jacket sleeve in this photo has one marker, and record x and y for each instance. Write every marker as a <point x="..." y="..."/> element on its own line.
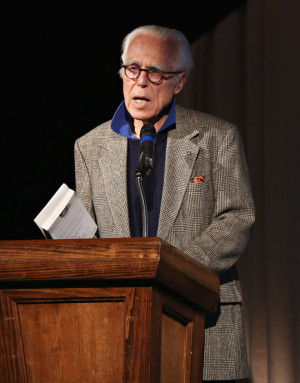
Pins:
<point x="82" y="179"/>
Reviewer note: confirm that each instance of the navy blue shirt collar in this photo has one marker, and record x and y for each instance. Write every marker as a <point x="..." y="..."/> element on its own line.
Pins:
<point x="121" y="121"/>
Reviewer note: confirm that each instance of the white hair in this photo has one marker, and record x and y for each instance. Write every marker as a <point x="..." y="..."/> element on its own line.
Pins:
<point x="183" y="57"/>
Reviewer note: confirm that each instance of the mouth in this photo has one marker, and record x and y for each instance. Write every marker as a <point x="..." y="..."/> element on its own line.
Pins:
<point x="140" y="100"/>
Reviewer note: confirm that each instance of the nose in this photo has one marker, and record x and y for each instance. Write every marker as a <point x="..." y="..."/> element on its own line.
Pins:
<point x="143" y="79"/>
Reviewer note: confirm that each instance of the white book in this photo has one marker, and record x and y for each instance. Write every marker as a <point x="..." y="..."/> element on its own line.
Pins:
<point x="65" y="217"/>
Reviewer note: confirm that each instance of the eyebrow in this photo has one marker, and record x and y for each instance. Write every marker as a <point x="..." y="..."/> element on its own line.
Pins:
<point x="157" y="66"/>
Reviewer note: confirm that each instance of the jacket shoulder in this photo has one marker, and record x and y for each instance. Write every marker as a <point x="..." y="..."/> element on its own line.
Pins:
<point x="200" y="120"/>
<point x="99" y="132"/>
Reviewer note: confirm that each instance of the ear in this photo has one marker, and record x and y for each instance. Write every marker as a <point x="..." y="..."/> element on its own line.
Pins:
<point x="180" y="83"/>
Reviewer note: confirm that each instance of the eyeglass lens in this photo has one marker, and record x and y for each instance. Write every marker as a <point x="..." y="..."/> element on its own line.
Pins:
<point x="133" y="71"/>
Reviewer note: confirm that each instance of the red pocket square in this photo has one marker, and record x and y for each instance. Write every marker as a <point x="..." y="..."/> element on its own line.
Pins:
<point x="197" y="179"/>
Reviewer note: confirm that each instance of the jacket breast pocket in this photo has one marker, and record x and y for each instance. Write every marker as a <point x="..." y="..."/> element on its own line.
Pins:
<point x="198" y="201"/>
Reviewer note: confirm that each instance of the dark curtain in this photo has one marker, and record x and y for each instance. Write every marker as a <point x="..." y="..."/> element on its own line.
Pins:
<point x="247" y="70"/>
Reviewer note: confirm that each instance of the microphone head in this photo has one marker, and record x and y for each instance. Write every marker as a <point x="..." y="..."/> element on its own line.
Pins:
<point x="148" y="132"/>
<point x="147" y="137"/>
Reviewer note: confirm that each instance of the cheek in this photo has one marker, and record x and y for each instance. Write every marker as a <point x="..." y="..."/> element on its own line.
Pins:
<point x="126" y="94"/>
<point x="127" y="86"/>
<point x="165" y="97"/>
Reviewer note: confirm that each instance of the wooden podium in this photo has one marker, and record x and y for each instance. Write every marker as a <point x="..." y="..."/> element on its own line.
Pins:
<point x="102" y="310"/>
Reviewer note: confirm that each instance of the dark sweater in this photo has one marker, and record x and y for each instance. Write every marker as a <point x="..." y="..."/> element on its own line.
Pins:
<point x="152" y="184"/>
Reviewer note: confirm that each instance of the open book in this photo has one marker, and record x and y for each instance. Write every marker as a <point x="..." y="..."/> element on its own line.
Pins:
<point x="65" y="217"/>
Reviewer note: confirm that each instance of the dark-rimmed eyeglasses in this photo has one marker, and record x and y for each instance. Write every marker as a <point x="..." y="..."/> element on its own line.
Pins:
<point x="154" y="74"/>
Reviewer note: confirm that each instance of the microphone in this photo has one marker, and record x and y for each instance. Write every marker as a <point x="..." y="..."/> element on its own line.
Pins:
<point x="146" y="159"/>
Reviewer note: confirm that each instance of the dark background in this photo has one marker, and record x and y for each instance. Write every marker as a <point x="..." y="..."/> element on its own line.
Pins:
<point x="59" y="80"/>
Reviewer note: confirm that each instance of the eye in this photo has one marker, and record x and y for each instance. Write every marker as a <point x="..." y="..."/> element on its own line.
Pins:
<point x="154" y="70"/>
<point x="133" y="69"/>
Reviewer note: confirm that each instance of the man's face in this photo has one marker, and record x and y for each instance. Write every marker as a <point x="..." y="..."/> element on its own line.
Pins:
<point x="145" y="101"/>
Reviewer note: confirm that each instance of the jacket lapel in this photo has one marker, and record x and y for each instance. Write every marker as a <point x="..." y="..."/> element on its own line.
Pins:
<point x="181" y="154"/>
<point x="113" y="165"/>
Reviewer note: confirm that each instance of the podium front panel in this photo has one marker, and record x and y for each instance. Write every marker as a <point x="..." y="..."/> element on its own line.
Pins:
<point x="73" y="335"/>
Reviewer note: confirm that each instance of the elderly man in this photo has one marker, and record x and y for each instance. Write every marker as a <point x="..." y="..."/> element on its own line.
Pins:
<point x="198" y="194"/>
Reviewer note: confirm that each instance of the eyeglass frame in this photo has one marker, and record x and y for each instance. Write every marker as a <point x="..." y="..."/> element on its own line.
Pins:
<point x="162" y="73"/>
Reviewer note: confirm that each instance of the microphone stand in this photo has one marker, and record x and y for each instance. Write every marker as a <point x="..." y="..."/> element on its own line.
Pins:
<point x="139" y="177"/>
<point x="147" y="138"/>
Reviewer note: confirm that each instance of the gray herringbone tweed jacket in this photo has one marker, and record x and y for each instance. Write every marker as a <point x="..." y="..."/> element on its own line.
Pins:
<point x="209" y="220"/>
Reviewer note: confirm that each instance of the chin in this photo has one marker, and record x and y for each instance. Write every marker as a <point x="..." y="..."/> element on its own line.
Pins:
<point x="142" y="117"/>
